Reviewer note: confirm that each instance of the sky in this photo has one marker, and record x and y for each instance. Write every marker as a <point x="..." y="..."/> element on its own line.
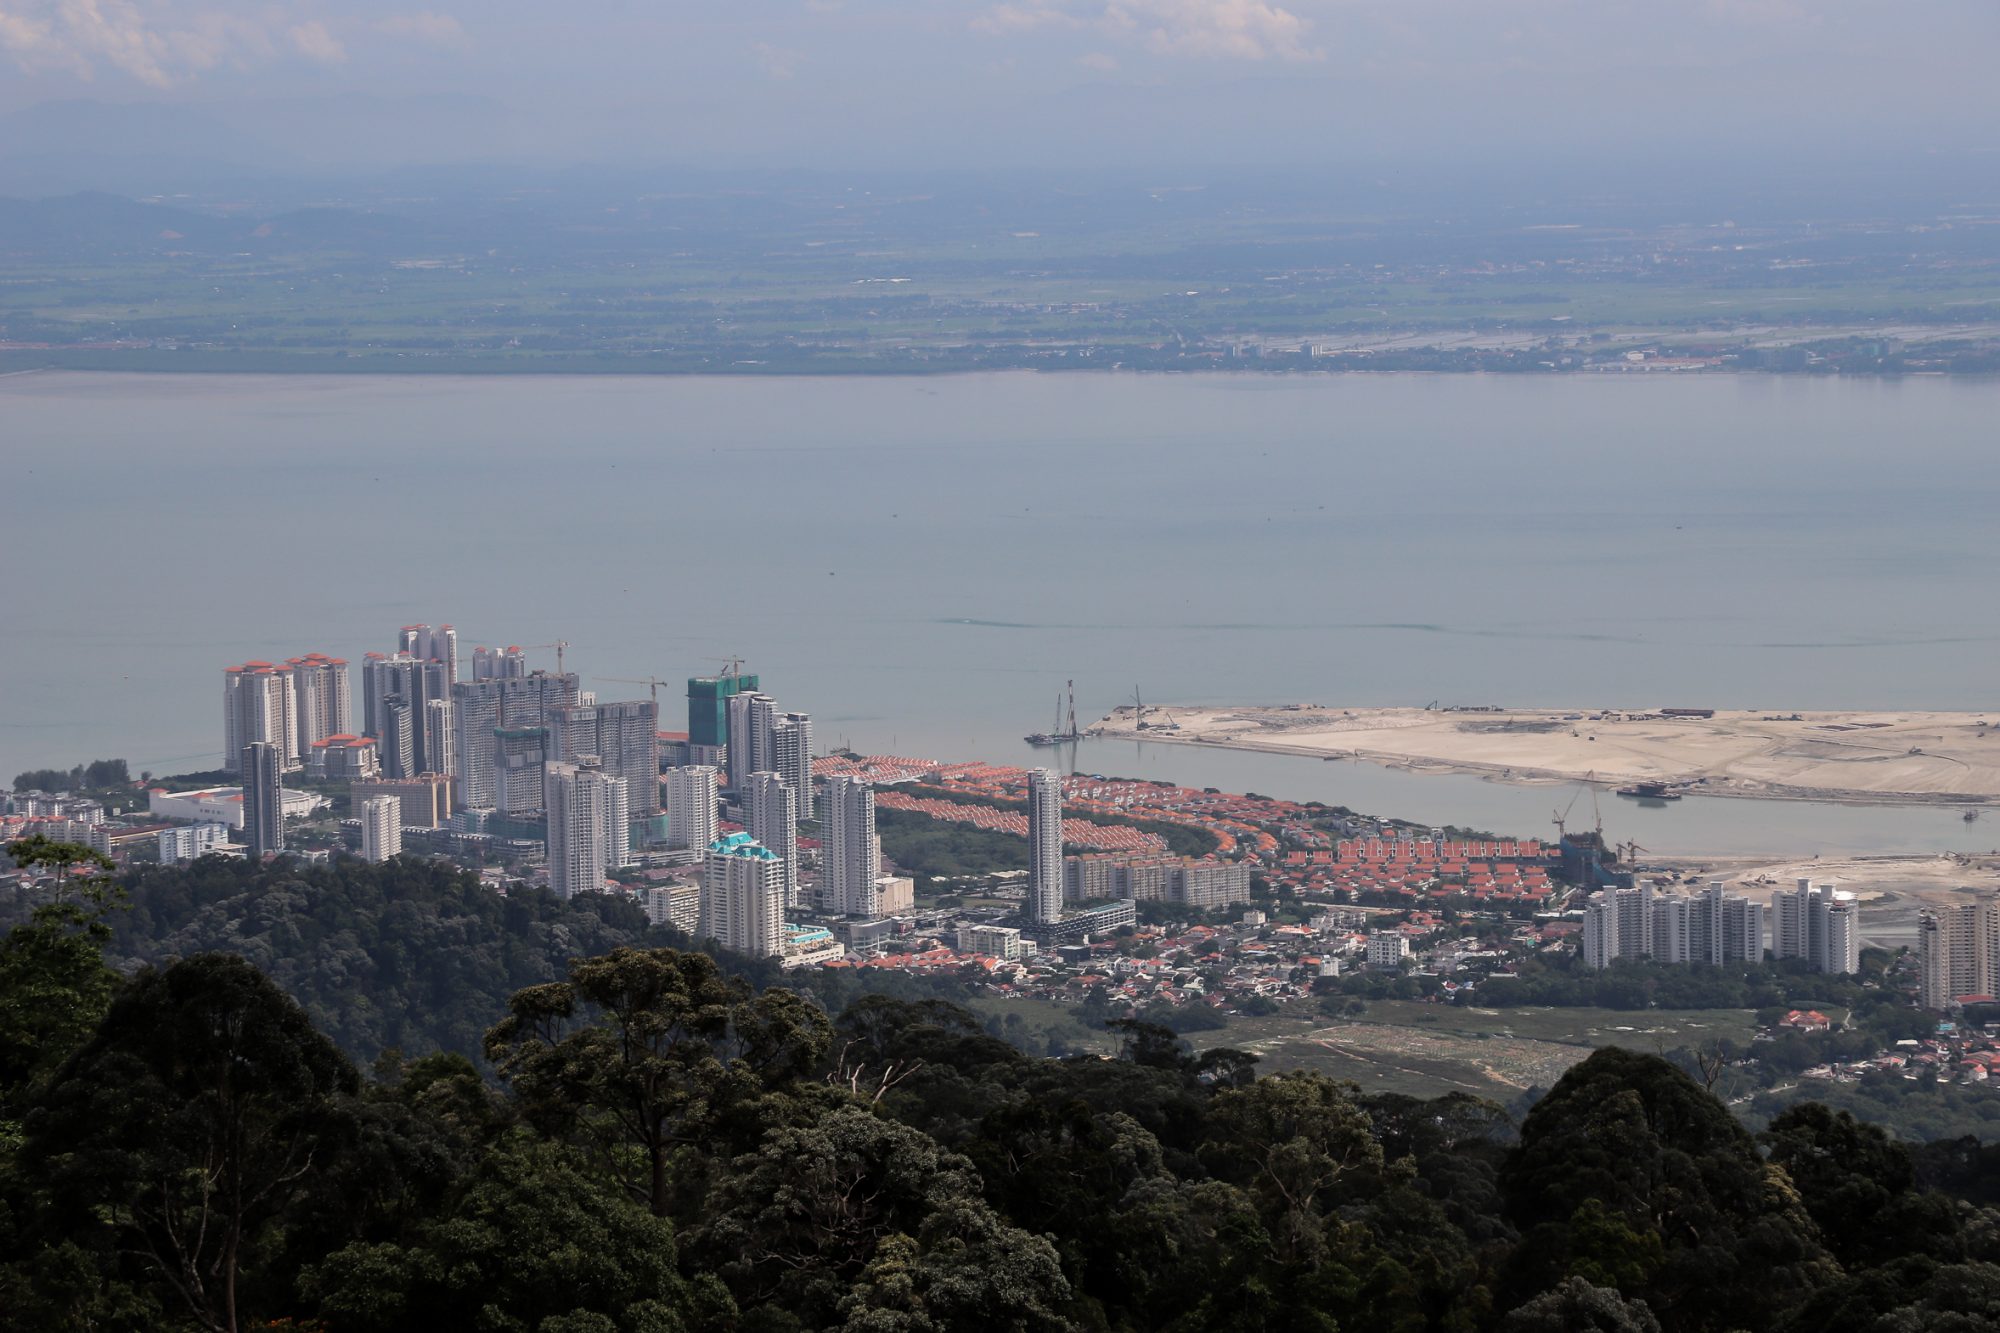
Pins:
<point x="953" y="83"/>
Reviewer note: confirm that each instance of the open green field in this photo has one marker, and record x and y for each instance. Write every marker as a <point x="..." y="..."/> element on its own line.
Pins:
<point x="1423" y="1050"/>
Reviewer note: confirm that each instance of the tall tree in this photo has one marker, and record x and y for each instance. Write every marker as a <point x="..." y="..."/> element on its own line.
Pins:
<point x="54" y="984"/>
<point x="531" y="1244"/>
<point x="187" y="1125"/>
<point x="1629" y="1171"/>
<point x="853" y="1217"/>
<point x="644" y="1052"/>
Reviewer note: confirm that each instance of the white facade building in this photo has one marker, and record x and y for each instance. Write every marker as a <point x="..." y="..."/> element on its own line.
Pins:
<point x="792" y="758"/>
<point x="584" y="806"/>
<point x="1958" y="952"/>
<point x="320" y="699"/>
<point x="1387" y="948"/>
<point x="1002" y="942"/>
<point x="259" y="704"/>
<point x="432" y="643"/>
<point x="676" y="905"/>
<point x="1600" y="932"/>
<point x="851" y="863"/>
<point x="771" y="815"/>
<point x="743" y="897"/>
<point x="1045" y="846"/>
<point x="381" y="828"/>
<point x="181" y="845"/>
<point x="1818" y="924"/>
<point x="690" y="799"/>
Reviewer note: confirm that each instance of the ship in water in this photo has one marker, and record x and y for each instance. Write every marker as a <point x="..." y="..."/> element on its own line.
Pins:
<point x="1062" y="735"/>
<point x="1650" y="791"/>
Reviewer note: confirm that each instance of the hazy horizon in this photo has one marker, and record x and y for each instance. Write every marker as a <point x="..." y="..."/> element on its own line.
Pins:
<point x="302" y="87"/>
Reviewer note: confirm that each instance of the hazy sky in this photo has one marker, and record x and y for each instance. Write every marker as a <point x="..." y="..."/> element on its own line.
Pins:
<point x="936" y="82"/>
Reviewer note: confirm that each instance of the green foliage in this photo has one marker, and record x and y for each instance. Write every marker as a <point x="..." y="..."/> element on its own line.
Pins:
<point x="928" y="849"/>
<point x="1917" y="1109"/>
<point x="1629" y="1172"/>
<point x="54" y="985"/>
<point x="97" y="775"/>
<point x="1562" y="980"/>
<point x="178" y="1136"/>
<point x="531" y="1244"/>
<point x="643" y="1053"/>
<point x="410" y="954"/>
<point x="681" y="1142"/>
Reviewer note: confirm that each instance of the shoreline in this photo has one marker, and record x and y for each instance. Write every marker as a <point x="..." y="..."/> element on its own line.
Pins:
<point x="1524" y="773"/>
<point x="335" y="365"/>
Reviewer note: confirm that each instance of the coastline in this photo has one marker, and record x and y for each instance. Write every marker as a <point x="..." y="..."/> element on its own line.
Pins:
<point x="1525" y="771"/>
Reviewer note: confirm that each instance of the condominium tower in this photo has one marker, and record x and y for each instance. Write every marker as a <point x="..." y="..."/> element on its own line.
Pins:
<point x="1045" y="846"/>
<point x="771" y="814"/>
<point x="1958" y="952"/>
<point x="261" y="764"/>
<point x="587" y="825"/>
<point x="791" y="746"/>
<point x="417" y="683"/>
<point x="432" y="644"/>
<point x="743" y="897"/>
<point x="381" y="827"/>
<point x="690" y="800"/>
<point x="851" y="859"/>
<point x="259" y="703"/>
<point x="1817" y="924"/>
<point x="624" y="736"/>
<point x="494" y="772"/>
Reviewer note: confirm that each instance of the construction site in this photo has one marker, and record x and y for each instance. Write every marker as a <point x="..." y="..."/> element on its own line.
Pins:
<point x="1658" y="754"/>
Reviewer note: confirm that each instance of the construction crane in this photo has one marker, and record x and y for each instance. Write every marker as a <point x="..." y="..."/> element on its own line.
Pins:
<point x="560" y="645"/>
<point x="1139" y="710"/>
<point x="731" y="667"/>
<point x="652" y="682"/>
<point x="1562" y="815"/>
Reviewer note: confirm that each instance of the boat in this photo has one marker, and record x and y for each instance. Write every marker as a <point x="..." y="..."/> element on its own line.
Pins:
<point x="1971" y="815"/>
<point x="1061" y="735"/>
<point x="1650" y="791"/>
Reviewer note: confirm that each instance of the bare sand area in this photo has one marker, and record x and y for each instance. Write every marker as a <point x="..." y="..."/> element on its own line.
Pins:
<point x="1887" y="758"/>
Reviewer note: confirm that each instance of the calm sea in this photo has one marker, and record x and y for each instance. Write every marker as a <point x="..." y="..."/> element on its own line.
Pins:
<point x="921" y="563"/>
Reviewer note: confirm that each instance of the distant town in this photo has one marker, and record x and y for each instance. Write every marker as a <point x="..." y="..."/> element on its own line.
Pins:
<point x="1088" y="893"/>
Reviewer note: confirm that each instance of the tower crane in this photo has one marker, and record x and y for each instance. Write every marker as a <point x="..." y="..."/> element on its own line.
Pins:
<point x="652" y="682"/>
<point x="560" y="645"/>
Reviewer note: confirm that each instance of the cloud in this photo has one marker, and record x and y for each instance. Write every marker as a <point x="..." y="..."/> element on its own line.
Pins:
<point x="1216" y="29"/>
<point x="315" y="43"/>
<point x="775" y="61"/>
<point x="436" y="29"/>
<point x="1011" y="18"/>
<point x="1200" y="29"/>
<point x="164" y="43"/>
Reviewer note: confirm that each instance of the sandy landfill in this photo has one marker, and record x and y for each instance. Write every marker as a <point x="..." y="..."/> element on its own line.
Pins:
<point x="1886" y="758"/>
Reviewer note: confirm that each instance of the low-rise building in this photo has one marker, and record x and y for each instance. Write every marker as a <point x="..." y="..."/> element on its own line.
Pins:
<point x="188" y="841"/>
<point x="224" y="805"/>
<point x="1387" y="948"/>
<point x="677" y="904"/>
<point x="810" y="946"/>
<point x="1002" y="942"/>
<point x="895" y="895"/>
<point x="426" y="799"/>
<point x="343" y="758"/>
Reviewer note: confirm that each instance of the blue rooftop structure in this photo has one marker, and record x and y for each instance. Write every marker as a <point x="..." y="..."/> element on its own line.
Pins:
<point x="742" y="844"/>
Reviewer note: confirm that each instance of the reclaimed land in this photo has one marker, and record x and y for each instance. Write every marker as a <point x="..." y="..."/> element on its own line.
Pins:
<point x="1862" y="758"/>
